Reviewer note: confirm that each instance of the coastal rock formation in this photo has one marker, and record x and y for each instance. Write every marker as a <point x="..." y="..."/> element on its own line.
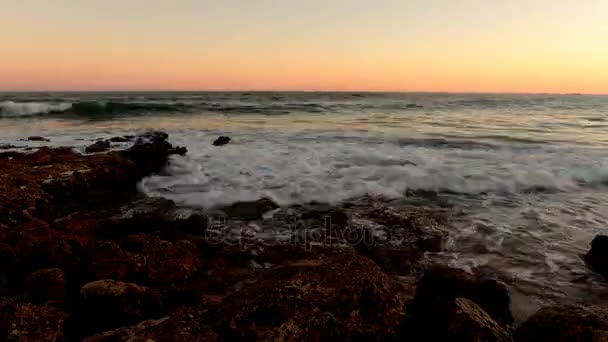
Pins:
<point x="565" y="323"/>
<point x="37" y="138"/>
<point x="345" y="295"/>
<point x="184" y="325"/>
<point x="597" y="257"/>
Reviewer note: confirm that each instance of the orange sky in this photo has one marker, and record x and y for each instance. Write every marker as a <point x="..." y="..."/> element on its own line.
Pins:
<point x="384" y="45"/>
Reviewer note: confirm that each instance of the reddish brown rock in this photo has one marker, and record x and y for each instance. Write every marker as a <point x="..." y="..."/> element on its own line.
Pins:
<point x="565" y="323"/>
<point x="166" y="262"/>
<point x="334" y="298"/>
<point x="466" y="321"/>
<point x="37" y="246"/>
<point x="184" y="325"/>
<point x="108" y="260"/>
<point x="30" y="323"/>
<point x="46" y="284"/>
<point x="108" y="304"/>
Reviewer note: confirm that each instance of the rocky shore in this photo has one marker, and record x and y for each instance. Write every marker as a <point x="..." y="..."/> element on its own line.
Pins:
<point x="84" y="256"/>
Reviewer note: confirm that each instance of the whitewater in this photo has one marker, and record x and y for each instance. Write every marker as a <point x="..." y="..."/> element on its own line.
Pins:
<point x="528" y="172"/>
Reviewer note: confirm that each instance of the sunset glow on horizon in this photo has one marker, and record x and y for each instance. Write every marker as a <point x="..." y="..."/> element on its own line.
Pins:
<point x="386" y="45"/>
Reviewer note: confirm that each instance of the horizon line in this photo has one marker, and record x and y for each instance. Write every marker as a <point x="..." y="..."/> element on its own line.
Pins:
<point x="305" y="91"/>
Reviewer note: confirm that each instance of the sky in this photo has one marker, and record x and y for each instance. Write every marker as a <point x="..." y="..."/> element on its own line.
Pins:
<point x="558" y="46"/>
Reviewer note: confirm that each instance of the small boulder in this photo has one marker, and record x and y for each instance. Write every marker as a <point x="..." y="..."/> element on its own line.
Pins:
<point x="31" y="323"/>
<point x="250" y="210"/>
<point x="565" y="323"/>
<point x="597" y="257"/>
<point x="46" y="284"/>
<point x="221" y="141"/>
<point x="99" y="146"/>
<point x="108" y="304"/>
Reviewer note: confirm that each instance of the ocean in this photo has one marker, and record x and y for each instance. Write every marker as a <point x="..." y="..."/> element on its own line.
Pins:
<point x="528" y="172"/>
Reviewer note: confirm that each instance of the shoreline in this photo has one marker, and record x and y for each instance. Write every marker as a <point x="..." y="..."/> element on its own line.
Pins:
<point x="85" y="256"/>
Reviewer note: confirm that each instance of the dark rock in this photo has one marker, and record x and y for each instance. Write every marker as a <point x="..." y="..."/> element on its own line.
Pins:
<point x="221" y="141"/>
<point x="125" y="138"/>
<point x="184" y="325"/>
<point x="30" y="323"/>
<point x="340" y="297"/>
<point x="99" y="146"/>
<point x="597" y="257"/>
<point x="8" y="268"/>
<point x="108" y="304"/>
<point x="37" y="138"/>
<point x="440" y="285"/>
<point x="249" y="210"/>
<point x="565" y="323"/>
<point x="46" y="284"/>
<point x="7" y="146"/>
<point x="463" y="320"/>
<point x="151" y="152"/>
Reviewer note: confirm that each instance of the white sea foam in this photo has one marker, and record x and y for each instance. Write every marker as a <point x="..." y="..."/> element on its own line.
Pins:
<point x="292" y="169"/>
<point x="16" y="109"/>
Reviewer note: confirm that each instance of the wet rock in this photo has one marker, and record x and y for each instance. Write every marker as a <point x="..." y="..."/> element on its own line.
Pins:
<point x="565" y="323"/>
<point x="221" y="141"/>
<point x="249" y="210"/>
<point x="463" y="320"/>
<point x="440" y="285"/>
<point x="30" y="323"/>
<point x="37" y="138"/>
<point x="597" y="257"/>
<point x="330" y="218"/>
<point x="7" y="146"/>
<point x="122" y="139"/>
<point x="98" y="146"/>
<point x="184" y="325"/>
<point x="151" y="152"/>
<point x="46" y="284"/>
<point x="344" y="296"/>
<point x="108" y="304"/>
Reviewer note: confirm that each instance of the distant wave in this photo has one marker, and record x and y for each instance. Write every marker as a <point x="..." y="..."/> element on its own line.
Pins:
<point x="115" y="108"/>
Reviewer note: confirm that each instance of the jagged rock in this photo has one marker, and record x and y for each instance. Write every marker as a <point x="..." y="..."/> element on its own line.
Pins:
<point x="565" y="323"/>
<point x="249" y="210"/>
<point x="221" y="141"/>
<point x="98" y="146"/>
<point x="46" y="284"/>
<point x="108" y="260"/>
<point x="597" y="257"/>
<point x="122" y="139"/>
<point x="184" y="325"/>
<point x="30" y="323"/>
<point x="37" y="138"/>
<point x="108" y="304"/>
<point x="337" y="297"/>
<point x="440" y="285"/>
<point x="466" y="321"/>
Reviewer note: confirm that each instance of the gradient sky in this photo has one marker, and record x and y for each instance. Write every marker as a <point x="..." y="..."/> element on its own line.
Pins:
<point x="377" y="45"/>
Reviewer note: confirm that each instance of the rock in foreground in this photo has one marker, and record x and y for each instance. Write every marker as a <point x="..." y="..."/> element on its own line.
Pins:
<point x="597" y="257"/>
<point x="565" y="323"/>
